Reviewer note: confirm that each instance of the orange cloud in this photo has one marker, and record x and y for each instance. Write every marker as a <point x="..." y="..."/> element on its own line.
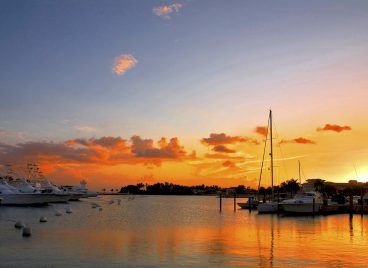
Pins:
<point x="102" y="151"/>
<point x="229" y="164"/>
<point x="335" y="128"/>
<point x="222" y="138"/>
<point x="223" y="156"/>
<point x="261" y="130"/>
<point x="145" y="148"/>
<point x="164" y="11"/>
<point x="123" y="63"/>
<point x="222" y="149"/>
<point x="299" y="140"/>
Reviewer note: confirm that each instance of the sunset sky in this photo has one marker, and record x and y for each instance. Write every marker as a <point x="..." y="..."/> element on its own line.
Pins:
<point x="120" y="92"/>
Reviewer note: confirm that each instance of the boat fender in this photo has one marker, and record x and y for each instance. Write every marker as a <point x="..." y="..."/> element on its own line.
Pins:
<point x="19" y="225"/>
<point x="26" y="231"/>
<point x="57" y="213"/>
<point x="43" y="219"/>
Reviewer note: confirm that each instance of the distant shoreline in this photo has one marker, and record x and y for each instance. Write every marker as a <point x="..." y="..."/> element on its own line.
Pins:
<point x="224" y="196"/>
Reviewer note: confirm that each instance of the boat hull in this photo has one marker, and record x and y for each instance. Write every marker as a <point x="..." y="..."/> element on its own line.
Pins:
<point x="75" y="197"/>
<point x="90" y="194"/>
<point x="59" y="198"/>
<point x="304" y="208"/>
<point x="271" y="207"/>
<point x="24" y="199"/>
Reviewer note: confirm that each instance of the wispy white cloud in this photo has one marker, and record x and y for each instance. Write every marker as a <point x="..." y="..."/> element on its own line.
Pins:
<point x="11" y="135"/>
<point x="86" y="129"/>
<point x="124" y="63"/>
<point x="166" y="10"/>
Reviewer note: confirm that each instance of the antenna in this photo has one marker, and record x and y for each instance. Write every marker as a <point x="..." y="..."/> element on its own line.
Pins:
<point x="271" y="154"/>
<point x="356" y="173"/>
<point x="300" y="178"/>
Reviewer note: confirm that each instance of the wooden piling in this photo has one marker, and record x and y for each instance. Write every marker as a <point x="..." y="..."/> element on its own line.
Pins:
<point x="220" y="202"/>
<point x="362" y="206"/>
<point x="351" y="206"/>
<point x="314" y="203"/>
<point x="234" y="202"/>
<point x="361" y="200"/>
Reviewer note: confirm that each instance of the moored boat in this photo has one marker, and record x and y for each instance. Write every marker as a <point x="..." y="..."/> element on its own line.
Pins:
<point x="303" y="203"/>
<point x="268" y="207"/>
<point x="10" y="195"/>
<point x="83" y="190"/>
<point x="56" y="195"/>
<point x="272" y="206"/>
<point x="252" y="203"/>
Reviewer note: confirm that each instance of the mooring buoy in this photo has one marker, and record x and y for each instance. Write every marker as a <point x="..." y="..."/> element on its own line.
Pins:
<point x="26" y="231"/>
<point x="43" y="219"/>
<point x="58" y="213"/>
<point x="19" y="225"/>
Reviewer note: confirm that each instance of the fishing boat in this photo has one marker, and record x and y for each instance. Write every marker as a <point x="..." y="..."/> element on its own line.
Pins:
<point x="78" y="192"/>
<point x="39" y="182"/>
<point x="74" y="195"/>
<point x="56" y="194"/>
<point x="83" y="189"/>
<point x="10" y="195"/>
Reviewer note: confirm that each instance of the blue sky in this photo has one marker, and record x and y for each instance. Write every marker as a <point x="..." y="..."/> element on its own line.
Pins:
<point x="209" y="61"/>
<point x="79" y="78"/>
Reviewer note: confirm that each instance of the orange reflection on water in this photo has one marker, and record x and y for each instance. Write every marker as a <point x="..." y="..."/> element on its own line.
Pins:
<point x="246" y="239"/>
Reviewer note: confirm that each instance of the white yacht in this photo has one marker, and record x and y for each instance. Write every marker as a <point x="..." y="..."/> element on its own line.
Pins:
<point x="10" y="195"/>
<point x="303" y="203"/>
<point x="83" y="189"/>
<point x="56" y="195"/>
<point x="74" y="195"/>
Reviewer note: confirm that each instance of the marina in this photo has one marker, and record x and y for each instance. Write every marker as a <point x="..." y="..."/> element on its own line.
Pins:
<point x="166" y="231"/>
<point x="183" y="133"/>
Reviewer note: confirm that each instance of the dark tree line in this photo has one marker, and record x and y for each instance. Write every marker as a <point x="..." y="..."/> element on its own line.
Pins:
<point x="289" y="187"/>
<point x="169" y="189"/>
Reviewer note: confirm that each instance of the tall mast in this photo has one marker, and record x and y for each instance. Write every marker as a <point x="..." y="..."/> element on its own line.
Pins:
<point x="271" y="154"/>
<point x="300" y="178"/>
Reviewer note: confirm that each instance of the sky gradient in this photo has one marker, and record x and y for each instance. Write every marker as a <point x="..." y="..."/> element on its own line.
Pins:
<point x="89" y="89"/>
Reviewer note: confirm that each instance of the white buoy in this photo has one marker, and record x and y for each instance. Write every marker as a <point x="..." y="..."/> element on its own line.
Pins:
<point x="26" y="231"/>
<point x="68" y="210"/>
<point x="19" y="225"/>
<point x="43" y="219"/>
<point x="58" y="213"/>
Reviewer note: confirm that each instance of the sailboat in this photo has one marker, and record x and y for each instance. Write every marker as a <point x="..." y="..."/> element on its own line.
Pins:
<point x="272" y="206"/>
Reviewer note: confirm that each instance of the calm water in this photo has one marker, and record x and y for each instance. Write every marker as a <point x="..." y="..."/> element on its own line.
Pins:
<point x="176" y="231"/>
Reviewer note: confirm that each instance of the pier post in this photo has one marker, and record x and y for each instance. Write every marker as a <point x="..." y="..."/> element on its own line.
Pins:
<point x="351" y="207"/>
<point x="220" y="202"/>
<point x="314" y="203"/>
<point x="234" y="202"/>
<point x="361" y="200"/>
<point x="250" y="204"/>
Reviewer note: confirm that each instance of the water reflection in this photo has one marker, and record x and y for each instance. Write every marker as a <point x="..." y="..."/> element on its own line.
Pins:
<point x="272" y="241"/>
<point x="351" y="229"/>
<point x="167" y="231"/>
